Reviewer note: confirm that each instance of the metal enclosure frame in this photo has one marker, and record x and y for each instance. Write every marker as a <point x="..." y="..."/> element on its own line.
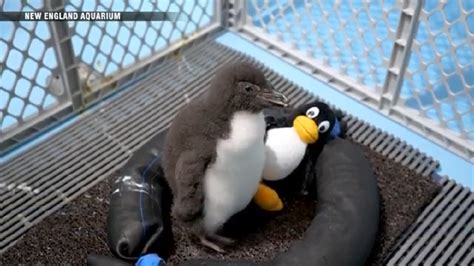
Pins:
<point x="82" y="85"/>
<point x="145" y="95"/>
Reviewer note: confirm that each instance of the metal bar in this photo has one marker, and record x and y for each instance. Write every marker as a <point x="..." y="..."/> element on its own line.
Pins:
<point x="64" y="50"/>
<point x="28" y="130"/>
<point x="237" y="14"/>
<point x="407" y="28"/>
<point x="428" y="128"/>
<point x="221" y="11"/>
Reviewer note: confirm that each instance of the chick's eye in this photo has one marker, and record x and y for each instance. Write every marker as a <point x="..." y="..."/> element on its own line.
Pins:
<point x="312" y="112"/>
<point x="248" y="89"/>
<point x="324" y="126"/>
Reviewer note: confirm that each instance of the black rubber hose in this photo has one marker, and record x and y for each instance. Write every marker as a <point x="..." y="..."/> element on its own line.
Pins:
<point x="345" y="226"/>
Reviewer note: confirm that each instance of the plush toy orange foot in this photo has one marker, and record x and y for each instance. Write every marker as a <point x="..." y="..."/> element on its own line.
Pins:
<point x="267" y="198"/>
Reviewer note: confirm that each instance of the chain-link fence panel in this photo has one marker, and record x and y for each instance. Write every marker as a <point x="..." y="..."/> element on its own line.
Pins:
<point x="439" y="81"/>
<point x="31" y="87"/>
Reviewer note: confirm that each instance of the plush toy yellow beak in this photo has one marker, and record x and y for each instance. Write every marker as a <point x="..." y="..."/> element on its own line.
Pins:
<point x="306" y="128"/>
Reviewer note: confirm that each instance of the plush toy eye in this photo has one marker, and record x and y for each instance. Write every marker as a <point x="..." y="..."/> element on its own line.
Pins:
<point x="324" y="126"/>
<point x="312" y="112"/>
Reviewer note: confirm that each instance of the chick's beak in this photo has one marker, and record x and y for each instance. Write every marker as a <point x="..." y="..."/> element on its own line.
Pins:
<point x="306" y="129"/>
<point x="273" y="96"/>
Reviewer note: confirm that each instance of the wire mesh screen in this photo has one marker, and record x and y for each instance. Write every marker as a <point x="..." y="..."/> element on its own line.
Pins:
<point x="353" y="37"/>
<point x="439" y="81"/>
<point x="52" y="66"/>
<point x="30" y="86"/>
<point x="105" y="47"/>
<point x="363" y="48"/>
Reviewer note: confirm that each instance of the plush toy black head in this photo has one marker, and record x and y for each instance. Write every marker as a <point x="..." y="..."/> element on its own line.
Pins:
<point x="314" y="122"/>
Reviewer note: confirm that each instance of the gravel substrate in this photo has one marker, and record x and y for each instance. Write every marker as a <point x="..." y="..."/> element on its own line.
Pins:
<point x="75" y="231"/>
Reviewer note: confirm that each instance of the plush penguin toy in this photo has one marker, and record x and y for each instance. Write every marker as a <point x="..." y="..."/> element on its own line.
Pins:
<point x="293" y="141"/>
<point x="214" y="151"/>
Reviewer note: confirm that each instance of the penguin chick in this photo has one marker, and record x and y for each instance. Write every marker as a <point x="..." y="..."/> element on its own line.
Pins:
<point x="286" y="146"/>
<point x="214" y="151"/>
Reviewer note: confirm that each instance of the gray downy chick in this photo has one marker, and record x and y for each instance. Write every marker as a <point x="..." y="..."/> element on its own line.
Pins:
<point x="214" y="151"/>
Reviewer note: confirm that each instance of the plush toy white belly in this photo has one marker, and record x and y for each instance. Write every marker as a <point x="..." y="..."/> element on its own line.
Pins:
<point x="232" y="181"/>
<point x="284" y="151"/>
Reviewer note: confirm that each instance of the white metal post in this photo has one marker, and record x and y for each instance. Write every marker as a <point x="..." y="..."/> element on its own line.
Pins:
<point x="407" y="27"/>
